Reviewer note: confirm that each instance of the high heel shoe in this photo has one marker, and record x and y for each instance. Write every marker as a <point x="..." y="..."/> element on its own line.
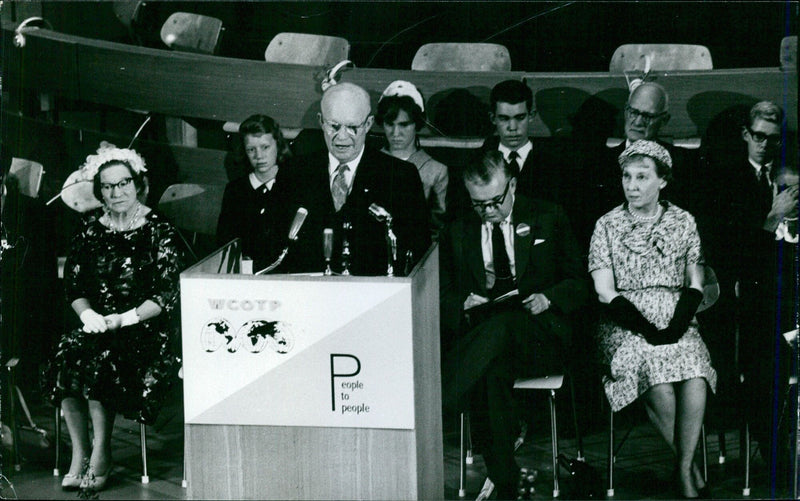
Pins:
<point x="94" y="482"/>
<point x="71" y="482"/>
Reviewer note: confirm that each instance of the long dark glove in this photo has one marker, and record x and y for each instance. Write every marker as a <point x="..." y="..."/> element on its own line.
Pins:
<point x="627" y="316"/>
<point x="688" y="303"/>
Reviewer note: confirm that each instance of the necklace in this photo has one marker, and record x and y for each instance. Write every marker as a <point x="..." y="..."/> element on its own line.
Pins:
<point x="114" y="227"/>
<point x="639" y="217"/>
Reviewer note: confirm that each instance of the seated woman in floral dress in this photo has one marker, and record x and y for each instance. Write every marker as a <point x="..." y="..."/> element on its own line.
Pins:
<point x="121" y="279"/>
<point x="647" y="266"/>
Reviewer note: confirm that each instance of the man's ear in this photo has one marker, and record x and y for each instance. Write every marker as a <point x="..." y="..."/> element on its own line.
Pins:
<point x="744" y="131"/>
<point x="370" y="121"/>
<point x="665" y="120"/>
<point x="491" y="117"/>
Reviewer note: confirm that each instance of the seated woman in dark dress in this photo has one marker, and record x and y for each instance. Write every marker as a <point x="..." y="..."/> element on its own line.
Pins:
<point x="247" y="205"/>
<point x="121" y="278"/>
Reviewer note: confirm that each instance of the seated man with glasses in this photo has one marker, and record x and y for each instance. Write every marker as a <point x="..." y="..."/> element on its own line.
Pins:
<point x="510" y="275"/>
<point x="338" y="185"/>
<point x="750" y="201"/>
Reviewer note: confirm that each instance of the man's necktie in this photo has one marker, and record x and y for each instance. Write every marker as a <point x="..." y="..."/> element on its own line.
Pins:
<point x="513" y="163"/>
<point x="764" y="187"/>
<point x="504" y="281"/>
<point x="339" y="187"/>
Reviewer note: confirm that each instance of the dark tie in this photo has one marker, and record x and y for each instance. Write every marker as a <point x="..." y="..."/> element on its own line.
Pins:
<point x="339" y="187"/>
<point x="764" y="187"/>
<point x="504" y="281"/>
<point x="513" y="163"/>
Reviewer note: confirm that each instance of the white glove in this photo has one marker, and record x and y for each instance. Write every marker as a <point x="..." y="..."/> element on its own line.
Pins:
<point x="92" y="321"/>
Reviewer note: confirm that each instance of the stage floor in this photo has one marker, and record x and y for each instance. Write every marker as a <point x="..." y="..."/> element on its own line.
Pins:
<point x="643" y="467"/>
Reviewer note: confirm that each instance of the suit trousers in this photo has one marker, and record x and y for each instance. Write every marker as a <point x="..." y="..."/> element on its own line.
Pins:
<point x="487" y="360"/>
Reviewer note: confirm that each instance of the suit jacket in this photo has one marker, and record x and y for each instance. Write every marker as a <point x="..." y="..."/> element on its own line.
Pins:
<point x="547" y="259"/>
<point x="389" y="182"/>
<point x="248" y="214"/>
<point x="542" y="172"/>
<point x="741" y="248"/>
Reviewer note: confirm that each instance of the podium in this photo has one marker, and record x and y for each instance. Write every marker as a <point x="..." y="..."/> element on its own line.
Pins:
<point x="311" y="386"/>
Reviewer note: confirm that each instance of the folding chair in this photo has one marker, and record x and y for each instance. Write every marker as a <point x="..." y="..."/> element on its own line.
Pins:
<point x="307" y="49"/>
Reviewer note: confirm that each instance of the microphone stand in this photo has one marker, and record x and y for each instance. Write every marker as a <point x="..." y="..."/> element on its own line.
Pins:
<point x="345" y="249"/>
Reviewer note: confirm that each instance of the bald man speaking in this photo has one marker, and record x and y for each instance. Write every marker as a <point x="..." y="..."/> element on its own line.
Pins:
<point x="338" y="186"/>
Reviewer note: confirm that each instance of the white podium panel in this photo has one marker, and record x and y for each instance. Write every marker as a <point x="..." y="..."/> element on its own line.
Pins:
<point x="311" y="387"/>
<point x="278" y="352"/>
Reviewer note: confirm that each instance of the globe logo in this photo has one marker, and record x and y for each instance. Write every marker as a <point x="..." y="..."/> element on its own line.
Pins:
<point x="256" y="335"/>
<point x="259" y="334"/>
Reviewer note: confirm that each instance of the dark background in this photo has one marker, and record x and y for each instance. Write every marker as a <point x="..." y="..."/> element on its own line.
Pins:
<point x="541" y="36"/>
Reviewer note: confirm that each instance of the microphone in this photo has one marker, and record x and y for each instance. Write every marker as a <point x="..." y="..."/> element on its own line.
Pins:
<point x="297" y="223"/>
<point x="327" y="249"/>
<point x="294" y="229"/>
<point x="382" y="216"/>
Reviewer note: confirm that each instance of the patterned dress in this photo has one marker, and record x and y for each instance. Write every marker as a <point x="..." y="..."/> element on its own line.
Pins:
<point x="648" y="260"/>
<point x="129" y="370"/>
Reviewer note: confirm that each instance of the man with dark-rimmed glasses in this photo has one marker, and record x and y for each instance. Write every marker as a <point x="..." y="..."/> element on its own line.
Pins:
<point x="756" y="277"/>
<point x="508" y="246"/>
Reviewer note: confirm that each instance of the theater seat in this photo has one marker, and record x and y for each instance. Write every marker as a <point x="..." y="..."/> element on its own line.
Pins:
<point x="308" y="49"/>
<point x="663" y="57"/>
<point x="193" y="208"/>
<point x="187" y="32"/>
<point x="462" y="57"/>
<point x="789" y="53"/>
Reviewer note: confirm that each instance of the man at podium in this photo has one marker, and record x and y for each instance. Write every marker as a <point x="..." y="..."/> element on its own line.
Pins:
<point x="510" y="274"/>
<point x="357" y="192"/>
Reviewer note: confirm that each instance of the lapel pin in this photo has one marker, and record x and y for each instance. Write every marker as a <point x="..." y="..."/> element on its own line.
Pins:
<point x="523" y="230"/>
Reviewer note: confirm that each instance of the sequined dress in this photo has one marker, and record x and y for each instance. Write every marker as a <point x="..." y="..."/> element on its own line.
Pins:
<point x="129" y="370"/>
<point x="648" y="260"/>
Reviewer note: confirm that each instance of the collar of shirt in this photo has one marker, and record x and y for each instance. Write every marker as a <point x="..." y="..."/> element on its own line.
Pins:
<point x="486" y="245"/>
<point x="758" y="168"/>
<point x="333" y="164"/>
<point x="256" y="183"/>
<point x="522" y="151"/>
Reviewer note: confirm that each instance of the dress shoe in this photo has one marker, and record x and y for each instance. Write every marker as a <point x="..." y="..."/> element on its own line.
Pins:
<point x="71" y="482"/>
<point x="94" y="482"/>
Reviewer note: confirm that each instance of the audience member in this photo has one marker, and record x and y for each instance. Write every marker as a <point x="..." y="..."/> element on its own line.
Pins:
<point x="749" y="207"/>
<point x="646" y="112"/>
<point x="509" y="243"/>
<point x="248" y="210"/>
<point x="536" y="167"/>
<point x="401" y="113"/>
<point x="121" y="278"/>
<point x="338" y="187"/>
<point x="640" y="255"/>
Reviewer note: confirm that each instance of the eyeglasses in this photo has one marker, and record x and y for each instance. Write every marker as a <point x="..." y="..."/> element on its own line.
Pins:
<point x="332" y="128"/>
<point x="494" y="203"/>
<point x="645" y="116"/>
<point x="760" y="137"/>
<point x="107" y="187"/>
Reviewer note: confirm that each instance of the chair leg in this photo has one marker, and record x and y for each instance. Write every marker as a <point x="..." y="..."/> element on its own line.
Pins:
<point x="578" y="436"/>
<point x="554" y="439"/>
<point x="722" y="448"/>
<point x="56" y="470"/>
<point x="143" y="439"/>
<point x="462" y="464"/>
<point x="746" y="489"/>
<point x="705" y="452"/>
<point x="610" y="490"/>
<point x="468" y="424"/>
